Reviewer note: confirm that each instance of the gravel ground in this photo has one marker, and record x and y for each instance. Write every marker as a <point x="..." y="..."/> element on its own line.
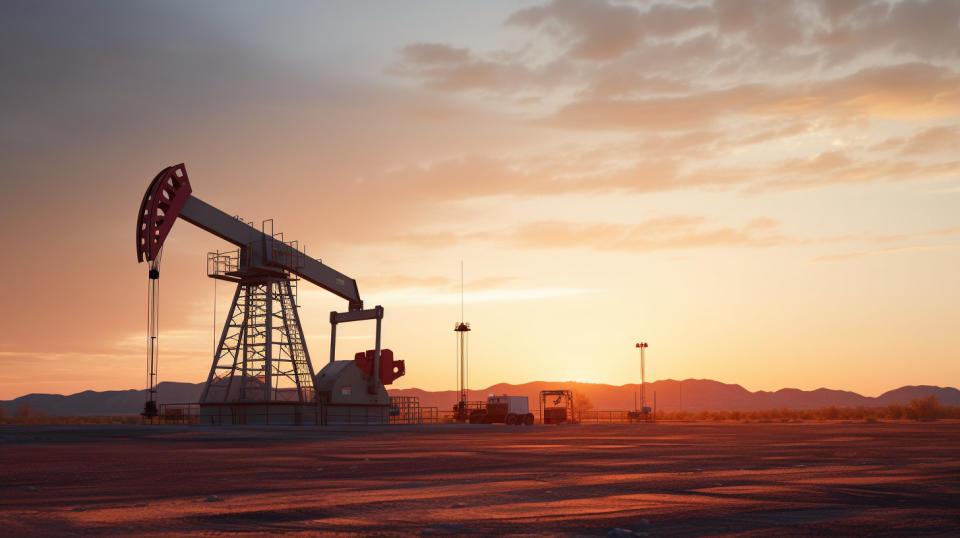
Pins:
<point x="610" y="480"/>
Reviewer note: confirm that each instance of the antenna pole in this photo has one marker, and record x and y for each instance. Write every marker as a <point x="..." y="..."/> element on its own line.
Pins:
<point x="461" y="409"/>
<point x="642" y="346"/>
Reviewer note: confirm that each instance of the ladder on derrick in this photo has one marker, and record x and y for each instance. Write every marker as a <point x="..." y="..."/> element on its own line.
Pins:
<point x="302" y="368"/>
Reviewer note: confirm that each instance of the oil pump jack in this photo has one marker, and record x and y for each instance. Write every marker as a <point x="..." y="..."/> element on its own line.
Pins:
<point x="261" y="361"/>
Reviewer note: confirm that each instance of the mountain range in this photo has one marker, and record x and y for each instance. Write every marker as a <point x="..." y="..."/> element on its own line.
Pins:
<point x="670" y="395"/>
<point x="694" y="395"/>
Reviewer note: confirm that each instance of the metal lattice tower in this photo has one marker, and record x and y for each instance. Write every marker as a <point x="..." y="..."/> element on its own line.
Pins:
<point x="262" y="355"/>
<point x="461" y="412"/>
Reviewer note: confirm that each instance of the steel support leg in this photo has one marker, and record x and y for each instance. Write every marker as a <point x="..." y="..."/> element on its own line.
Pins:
<point x="219" y="351"/>
<point x="268" y="350"/>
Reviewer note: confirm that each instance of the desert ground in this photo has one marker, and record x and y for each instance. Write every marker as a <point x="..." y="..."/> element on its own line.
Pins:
<point x="620" y="480"/>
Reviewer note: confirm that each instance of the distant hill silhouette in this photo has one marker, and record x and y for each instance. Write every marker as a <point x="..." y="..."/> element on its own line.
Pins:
<point x="696" y="395"/>
<point x="111" y="402"/>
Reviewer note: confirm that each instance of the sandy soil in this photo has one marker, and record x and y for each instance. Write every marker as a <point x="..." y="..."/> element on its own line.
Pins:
<point x="619" y="480"/>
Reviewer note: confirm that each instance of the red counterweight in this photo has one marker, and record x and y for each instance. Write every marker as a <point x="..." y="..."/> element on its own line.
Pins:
<point x="389" y="368"/>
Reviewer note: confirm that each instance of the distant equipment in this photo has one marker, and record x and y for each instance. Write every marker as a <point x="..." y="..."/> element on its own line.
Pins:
<point x="509" y="410"/>
<point x="556" y="407"/>
<point x="261" y="369"/>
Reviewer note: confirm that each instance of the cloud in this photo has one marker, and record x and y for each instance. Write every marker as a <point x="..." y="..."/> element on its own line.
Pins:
<point x="910" y="91"/>
<point x="597" y="30"/>
<point x="602" y="30"/>
<point x="403" y="297"/>
<point x="653" y="163"/>
<point x="919" y="28"/>
<point x="662" y="233"/>
<point x="434" y="54"/>
<point x="438" y="284"/>
<point x="400" y="289"/>
<point x="771" y="25"/>
<point x="835" y="168"/>
<point x="860" y="253"/>
<point x="623" y="60"/>
<point x="442" y="67"/>
<point x="618" y="84"/>
<point x="14" y="357"/>
<point x="476" y="176"/>
<point x="691" y="84"/>
<point x="954" y="230"/>
<point x="932" y="140"/>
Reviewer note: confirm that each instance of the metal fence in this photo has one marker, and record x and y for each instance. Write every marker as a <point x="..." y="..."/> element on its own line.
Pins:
<point x="407" y="410"/>
<point x="402" y="410"/>
<point x="613" y="417"/>
<point x="252" y="414"/>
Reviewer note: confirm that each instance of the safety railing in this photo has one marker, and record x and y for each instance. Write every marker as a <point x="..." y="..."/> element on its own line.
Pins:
<point x="407" y="410"/>
<point x="222" y="264"/>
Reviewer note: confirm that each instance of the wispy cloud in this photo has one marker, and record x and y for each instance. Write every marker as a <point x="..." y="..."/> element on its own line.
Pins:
<point x="401" y="289"/>
<point x="953" y="230"/>
<point x="506" y="295"/>
<point x="912" y="90"/>
<point x="439" y="284"/>
<point x="20" y="356"/>
<point x="673" y="232"/>
<point x="860" y="253"/>
<point x="667" y="233"/>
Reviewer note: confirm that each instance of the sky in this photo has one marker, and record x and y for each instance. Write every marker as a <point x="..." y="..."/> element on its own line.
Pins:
<point x="768" y="193"/>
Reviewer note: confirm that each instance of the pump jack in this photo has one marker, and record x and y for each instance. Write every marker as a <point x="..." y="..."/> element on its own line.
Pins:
<point x="262" y="339"/>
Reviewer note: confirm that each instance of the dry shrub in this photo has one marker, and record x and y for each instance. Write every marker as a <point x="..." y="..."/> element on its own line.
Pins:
<point x="581" y="404"/>
<point x="927" y="408"/>
<point x="25" y="415"/>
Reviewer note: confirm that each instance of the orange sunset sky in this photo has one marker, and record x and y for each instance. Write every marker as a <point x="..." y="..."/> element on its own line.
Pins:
<point x="766" y="192"/>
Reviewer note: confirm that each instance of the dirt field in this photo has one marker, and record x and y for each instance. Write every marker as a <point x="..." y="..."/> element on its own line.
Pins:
<point x="658" y="479"/>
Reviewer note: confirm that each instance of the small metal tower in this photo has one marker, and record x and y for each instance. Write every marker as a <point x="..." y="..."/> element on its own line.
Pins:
<point x="461" y="412"/>
<point x="643" y="381"/>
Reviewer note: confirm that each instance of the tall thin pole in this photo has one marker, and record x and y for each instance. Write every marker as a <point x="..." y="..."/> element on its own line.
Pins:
<point x="463" y="378"/>
<point x="643" y="377"/>
<point x="268" y="349"/>
<point x="463" y="359"/>
<point x="465" y="368"/>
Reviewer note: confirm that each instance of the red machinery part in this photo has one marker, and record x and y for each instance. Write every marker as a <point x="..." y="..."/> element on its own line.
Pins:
<point x="161" y="204"/>
<point x="389" y="368"/>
